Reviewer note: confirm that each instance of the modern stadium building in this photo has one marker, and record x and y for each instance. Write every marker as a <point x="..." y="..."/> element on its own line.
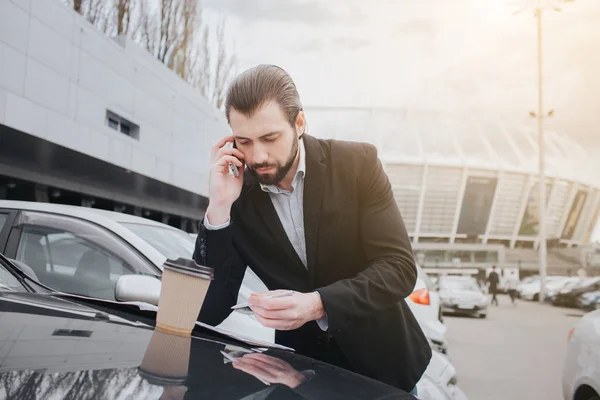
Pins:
<point x="467" y="186"/>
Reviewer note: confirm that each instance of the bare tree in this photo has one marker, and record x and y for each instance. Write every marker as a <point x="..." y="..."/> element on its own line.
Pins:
<point x="170" y="12"/>
<point x="181" y="59"/>
<point x="174" y="32"/>
<point x="202" y="71"/>
<point x="77" y="6"/>
<point x="146" y="31"/>
<point x="213" y="69"/>
<point x="97" y="13"/>
<point x="123" y="8"/>
<point x="224" y="67"/>
<point x="184" y="45"/>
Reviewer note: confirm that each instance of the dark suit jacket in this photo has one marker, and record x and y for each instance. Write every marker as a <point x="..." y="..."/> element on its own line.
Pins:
<point x="359" y="260"/>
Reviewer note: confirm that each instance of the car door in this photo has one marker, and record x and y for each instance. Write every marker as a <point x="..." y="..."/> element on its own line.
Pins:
<point x="72" y="255"/>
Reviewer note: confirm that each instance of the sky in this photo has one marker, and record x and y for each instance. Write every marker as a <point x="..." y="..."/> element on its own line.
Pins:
<point x="473" y="56"/>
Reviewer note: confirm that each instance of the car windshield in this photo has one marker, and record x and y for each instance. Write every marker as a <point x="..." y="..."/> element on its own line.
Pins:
<point x="171" y="242"/>
<point x="458" y="284"/>
<point x="587" y="282"/>
<point x="8" y="282"/>
<point x="572" y="284"/>
<point x="531" y="279"/>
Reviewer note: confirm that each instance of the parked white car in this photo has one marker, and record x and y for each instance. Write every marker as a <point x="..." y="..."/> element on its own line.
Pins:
<point x="424" y="303"/>
<point x="462" y="295"/>
<point x="581" y="375"/>
<point x="55" y="239"/>
<point x="531" y="291"/>
<point x="439" y="381"/>
<point x="562" y="286"/>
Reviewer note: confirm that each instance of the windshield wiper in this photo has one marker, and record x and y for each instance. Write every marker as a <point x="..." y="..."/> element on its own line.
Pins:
<point x="23" y="278"/>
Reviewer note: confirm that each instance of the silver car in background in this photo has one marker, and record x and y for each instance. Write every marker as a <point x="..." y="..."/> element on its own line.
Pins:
<point x="462" y="295"/>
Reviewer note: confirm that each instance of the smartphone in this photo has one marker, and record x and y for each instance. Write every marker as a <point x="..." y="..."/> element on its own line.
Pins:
<point x="233" y="169"/>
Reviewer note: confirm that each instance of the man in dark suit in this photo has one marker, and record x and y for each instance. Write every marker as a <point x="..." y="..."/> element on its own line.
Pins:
<point x="317" y="217"/>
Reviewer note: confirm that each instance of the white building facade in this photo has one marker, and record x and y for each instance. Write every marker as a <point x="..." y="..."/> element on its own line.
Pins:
<point x="85" y="114"/>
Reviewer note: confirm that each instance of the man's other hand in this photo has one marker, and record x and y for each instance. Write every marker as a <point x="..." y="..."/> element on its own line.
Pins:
<point x="269" y="369"/>
<point x="286" y="313"/>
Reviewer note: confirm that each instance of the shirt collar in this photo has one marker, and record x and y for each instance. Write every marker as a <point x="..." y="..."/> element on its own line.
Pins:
<point x="300" y="173"/>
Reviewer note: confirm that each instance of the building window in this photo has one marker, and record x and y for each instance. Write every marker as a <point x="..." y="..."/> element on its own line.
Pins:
<point x="120" y="124"/>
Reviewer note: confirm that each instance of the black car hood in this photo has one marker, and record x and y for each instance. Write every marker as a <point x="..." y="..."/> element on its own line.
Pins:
<point x="52" y="348"/>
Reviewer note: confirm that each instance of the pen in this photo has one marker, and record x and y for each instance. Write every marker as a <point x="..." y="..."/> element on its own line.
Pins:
<point x="272" y="296"/>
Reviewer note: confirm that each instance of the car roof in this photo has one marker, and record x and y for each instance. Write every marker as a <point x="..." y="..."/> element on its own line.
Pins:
<point x="590" y="280"/>
<point x="66" y="209"/>
<point x="87" y="350"/>
<point x="457" y="277"/>
<point x="107" y="219"/>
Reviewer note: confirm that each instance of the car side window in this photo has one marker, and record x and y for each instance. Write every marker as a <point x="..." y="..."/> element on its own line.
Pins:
<point x="75" y="256"/>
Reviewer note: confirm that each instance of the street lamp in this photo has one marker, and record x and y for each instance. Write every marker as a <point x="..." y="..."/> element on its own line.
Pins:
<point x="540" y="115"/>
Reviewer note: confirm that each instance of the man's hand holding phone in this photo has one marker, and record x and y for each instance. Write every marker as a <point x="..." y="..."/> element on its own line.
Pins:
<point x="224" y="187"/>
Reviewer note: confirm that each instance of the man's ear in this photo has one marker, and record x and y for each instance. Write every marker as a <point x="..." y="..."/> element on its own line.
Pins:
<point x="300" y="124"/>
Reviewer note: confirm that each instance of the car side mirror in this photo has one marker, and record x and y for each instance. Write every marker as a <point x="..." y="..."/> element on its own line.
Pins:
<point x="138" y="288"/>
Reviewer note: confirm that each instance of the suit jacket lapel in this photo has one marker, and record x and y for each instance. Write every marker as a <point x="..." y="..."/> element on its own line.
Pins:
<point x="272" y="223"/>
<point x="314" y="184"/>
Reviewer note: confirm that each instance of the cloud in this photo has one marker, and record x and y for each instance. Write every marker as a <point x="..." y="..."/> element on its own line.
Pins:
<point x="340" y="43"/>
<point x="426" y="28"/>
<point x="350" y="43"/>
<point x="310" y="12"/>
<point x="311" y="45"/>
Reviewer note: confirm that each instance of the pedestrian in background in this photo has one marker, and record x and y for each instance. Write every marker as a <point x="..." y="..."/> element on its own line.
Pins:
<point x="511" y="285"/>
<point x="493" y="280"/>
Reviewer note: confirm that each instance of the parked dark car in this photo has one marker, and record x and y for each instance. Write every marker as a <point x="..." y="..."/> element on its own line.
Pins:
<point x="56" y="347"/>
<point x="569" y="297"/>
<point x="589" y="301"/>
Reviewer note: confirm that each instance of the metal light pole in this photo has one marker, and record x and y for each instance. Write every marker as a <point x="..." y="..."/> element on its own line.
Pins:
<point x="540" y="115"/>
<point x="542" y="172"/>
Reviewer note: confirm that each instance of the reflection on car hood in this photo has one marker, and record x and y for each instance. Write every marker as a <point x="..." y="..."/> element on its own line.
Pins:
<point x="58" y="349"/>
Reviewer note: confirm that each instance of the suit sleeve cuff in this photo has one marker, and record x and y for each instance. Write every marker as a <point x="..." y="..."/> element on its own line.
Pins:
<point x="210" y="227"/>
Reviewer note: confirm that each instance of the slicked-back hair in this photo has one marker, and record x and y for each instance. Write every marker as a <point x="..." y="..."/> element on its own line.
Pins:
<point x="259" y="85"/>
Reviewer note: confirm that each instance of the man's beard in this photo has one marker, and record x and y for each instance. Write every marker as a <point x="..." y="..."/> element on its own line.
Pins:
<point x="280" y="170"/>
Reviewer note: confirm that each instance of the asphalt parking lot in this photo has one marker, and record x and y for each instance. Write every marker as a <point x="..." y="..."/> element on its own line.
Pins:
<point x="516" y="353"/>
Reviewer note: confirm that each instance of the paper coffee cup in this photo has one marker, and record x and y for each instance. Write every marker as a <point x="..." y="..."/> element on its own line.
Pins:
<point x="166" y="359"/>
<point x="184" y="287"/>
